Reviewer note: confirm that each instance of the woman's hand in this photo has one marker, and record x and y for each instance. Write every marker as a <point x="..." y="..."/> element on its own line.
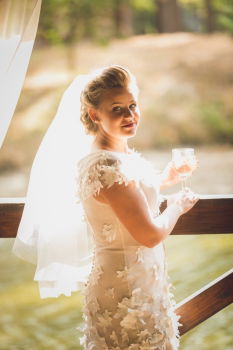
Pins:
<point x="170" y="176"/>
<point x="184" y="200"/>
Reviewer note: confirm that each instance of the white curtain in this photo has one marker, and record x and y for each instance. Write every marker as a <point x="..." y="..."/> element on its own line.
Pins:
<point x="18" y="26"/>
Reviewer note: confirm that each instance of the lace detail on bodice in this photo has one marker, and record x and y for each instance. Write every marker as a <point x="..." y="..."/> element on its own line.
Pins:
<point x="104" y="168"/>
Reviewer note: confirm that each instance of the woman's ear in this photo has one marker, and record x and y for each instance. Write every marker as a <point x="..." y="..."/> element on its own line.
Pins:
<point x="93" y="114"/>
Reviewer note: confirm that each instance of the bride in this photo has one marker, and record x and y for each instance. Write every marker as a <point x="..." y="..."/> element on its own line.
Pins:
<point x="92" y="222"/>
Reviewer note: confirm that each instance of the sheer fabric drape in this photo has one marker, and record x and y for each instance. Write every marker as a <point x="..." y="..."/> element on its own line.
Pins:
<point x="18" y="27"/>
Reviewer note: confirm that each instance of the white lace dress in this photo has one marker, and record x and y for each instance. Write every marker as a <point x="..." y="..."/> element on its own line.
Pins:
<point x="128" y="303"/>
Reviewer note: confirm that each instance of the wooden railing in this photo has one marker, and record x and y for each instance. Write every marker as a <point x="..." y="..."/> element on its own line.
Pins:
<point x="211" y="215"/>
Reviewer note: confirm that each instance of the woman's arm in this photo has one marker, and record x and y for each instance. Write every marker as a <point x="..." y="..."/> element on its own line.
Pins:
<point x="130" y="205"/>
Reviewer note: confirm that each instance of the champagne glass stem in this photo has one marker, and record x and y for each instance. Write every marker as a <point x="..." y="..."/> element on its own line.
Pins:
<point x="189" y="181"/>
<point x="183" y="184"/>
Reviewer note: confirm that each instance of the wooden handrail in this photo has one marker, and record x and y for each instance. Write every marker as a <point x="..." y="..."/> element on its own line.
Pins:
<point x="211" y="215"/>
<point x="205" y="302"/>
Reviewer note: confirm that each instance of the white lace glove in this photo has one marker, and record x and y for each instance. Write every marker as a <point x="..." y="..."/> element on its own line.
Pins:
<point x="185" y="200"/>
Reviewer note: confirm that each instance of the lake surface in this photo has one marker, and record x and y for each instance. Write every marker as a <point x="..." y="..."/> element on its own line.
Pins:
<point x="30" y="323"/>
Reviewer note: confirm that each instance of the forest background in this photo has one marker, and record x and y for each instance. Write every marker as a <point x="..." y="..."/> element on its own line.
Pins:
<point x="180" y="51"/>
<point x="182" y="55"/>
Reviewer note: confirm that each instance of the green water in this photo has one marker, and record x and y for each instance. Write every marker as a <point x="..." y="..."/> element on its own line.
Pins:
<point x="27" y="322"/>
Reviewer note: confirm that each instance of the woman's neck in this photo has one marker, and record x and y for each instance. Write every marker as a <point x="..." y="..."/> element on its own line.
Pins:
<point x="115" y="145"/>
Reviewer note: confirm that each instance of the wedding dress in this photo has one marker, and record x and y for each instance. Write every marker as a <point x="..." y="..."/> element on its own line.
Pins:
<point x="128" y="303"/>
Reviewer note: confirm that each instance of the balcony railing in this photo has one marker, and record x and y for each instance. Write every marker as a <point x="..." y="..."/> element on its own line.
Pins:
<point x="211" y="215"/>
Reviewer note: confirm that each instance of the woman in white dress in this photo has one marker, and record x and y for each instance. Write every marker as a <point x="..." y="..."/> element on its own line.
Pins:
<point x="128" y="304"/>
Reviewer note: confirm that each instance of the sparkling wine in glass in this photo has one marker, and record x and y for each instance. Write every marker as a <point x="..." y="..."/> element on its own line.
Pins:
<point x="184" y="161"/>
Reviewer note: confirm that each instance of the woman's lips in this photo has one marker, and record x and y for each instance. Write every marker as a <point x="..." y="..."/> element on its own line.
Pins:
<point x="130" y="125"/>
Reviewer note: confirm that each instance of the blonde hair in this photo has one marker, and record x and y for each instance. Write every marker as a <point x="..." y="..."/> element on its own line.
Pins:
<point x="110" y="77"/>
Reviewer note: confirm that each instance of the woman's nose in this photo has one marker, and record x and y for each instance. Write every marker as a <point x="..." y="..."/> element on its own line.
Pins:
<point x="128" y="112"/>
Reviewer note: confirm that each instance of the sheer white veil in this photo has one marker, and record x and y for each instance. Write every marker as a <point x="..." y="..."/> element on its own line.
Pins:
<point x="52" y="233"/>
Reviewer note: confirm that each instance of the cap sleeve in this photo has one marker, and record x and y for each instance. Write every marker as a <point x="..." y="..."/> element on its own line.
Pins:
<point x="101" y="170"/>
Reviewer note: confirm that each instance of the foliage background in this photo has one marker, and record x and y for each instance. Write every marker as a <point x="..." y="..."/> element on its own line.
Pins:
<point x="182" y="55"/>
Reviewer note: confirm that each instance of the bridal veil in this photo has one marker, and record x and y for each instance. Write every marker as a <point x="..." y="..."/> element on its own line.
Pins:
<point x="52" y="232"/>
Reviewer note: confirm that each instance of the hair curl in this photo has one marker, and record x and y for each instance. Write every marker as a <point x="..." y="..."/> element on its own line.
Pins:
<point x="110" y="77"/>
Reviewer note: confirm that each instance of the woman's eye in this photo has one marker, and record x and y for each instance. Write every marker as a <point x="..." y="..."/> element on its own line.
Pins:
<point x="133" y="106"/>
<point x="117" y="109"/>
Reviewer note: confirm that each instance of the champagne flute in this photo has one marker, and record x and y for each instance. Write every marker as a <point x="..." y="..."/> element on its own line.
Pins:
<point x="184" y="161"/>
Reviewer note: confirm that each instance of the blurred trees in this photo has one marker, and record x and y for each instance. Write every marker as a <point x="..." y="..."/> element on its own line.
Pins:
<point x="67" y="21"/>
<point x="168" y="16"/>
<point x="123" y="17"/>
<point x="210" y="16"/>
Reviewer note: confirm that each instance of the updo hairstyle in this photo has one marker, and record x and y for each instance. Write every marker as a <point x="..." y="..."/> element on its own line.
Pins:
<point x="101" y="81"/>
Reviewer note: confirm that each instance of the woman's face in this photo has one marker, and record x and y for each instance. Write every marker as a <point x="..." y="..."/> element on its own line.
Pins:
<point x="118" y="114"/>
